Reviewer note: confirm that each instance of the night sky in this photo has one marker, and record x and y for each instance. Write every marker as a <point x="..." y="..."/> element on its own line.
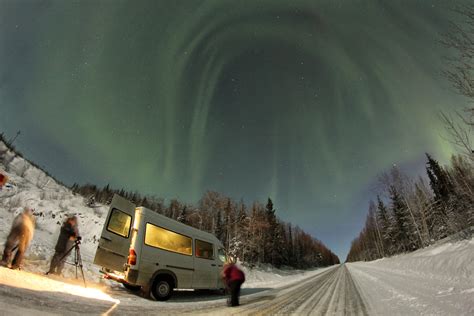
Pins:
<point x="302" y="101"/>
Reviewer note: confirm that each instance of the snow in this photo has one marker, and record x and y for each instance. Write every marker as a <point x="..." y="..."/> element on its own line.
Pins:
<point x="31" y="281"/>
<point x="266" y="276"/>
<point x="438" y="280"/>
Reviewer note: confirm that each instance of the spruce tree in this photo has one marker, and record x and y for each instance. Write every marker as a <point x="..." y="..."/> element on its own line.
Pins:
<point x="270" y="235"/>
<point x="218" y="231"/>
<point x="404" y="230"/>
<point x="442" y="188"/>
<point x="383" y="217"/>
<point x="279" y="243"/>
<point x="290" y="249"/>
<point x="439" y="180"/>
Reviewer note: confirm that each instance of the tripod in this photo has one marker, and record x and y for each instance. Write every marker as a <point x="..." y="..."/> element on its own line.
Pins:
<point x="77" y="258"/>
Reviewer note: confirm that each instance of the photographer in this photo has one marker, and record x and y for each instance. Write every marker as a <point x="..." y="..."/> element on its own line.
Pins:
<point x="67" y="236"/>
<point x="19" y="238"/>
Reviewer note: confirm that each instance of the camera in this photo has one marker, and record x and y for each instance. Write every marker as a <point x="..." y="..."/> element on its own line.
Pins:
<point x="78" y="238"/>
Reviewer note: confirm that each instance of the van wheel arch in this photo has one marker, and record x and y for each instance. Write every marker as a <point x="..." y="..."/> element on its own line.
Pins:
<point x="162" y="284"/>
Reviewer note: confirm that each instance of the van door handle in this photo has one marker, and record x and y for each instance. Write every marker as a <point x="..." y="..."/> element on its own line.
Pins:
<point x="213" y="264"/>
<point x="105" y="238"/>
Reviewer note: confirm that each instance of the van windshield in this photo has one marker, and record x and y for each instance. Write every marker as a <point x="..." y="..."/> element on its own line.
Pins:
<point x="221" y="254"/>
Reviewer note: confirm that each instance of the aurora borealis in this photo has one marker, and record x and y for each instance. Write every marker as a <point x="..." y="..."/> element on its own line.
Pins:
<point x="302" y="101"/>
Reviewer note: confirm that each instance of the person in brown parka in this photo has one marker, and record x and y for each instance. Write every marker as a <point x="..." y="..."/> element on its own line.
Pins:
<point x="68" y="234"/>
<point x="19" y="238"/>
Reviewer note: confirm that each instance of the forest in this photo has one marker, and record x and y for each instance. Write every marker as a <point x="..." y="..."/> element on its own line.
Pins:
<point x="252" y="233"/>
<point x="411" y="214"/>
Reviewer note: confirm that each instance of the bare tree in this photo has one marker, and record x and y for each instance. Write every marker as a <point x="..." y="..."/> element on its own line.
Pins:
<point x="459" y="71"/>
<point x="460" y="130"/>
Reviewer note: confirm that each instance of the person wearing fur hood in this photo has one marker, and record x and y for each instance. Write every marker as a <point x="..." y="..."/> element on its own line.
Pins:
<point x="18" y="239"/>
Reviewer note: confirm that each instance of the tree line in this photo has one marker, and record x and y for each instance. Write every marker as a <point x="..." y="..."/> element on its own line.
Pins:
<point x="409" y="214"/>
<point x="252" y="233"/>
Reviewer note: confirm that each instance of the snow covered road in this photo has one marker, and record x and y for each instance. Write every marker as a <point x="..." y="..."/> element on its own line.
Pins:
<point x="392" y="293"/>
<point x="437" y="280"/>
<point x="328" y="291"/>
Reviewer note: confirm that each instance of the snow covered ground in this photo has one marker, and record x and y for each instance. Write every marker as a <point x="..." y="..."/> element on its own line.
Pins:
<point x="438" y="280"/>
<point x="270" y="277"/>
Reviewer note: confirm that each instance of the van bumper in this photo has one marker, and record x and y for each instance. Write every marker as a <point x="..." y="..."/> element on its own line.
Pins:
<point x="114" y="277"/>
<point x="132" y="276"/>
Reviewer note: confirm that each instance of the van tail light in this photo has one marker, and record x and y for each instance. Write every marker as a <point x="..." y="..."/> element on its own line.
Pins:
<point x="132" y="257"/>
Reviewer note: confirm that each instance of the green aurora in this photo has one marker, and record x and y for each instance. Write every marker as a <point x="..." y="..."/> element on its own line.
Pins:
<point x="302" y="101"/>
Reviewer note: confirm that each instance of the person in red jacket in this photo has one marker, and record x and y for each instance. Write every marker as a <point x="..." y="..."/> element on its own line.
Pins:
<point x="233" y="279"/>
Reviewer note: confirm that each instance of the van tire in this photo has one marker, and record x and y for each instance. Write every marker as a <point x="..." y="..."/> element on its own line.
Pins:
<point x="133" y="288"/>
<point x="162" y="288"/>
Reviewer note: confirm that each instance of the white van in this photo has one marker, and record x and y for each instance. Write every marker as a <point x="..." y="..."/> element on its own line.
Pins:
<point x="145" y="250"/>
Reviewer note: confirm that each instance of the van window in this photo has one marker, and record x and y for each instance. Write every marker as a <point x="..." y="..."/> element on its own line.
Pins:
<point x="221" y="255"/>
<point x="204" y="249"/>
<point x="119" y="223"/>
<point x="165" y="239"/>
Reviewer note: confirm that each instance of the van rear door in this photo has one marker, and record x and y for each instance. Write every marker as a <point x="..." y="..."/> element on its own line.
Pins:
<point x="114" y="243"/>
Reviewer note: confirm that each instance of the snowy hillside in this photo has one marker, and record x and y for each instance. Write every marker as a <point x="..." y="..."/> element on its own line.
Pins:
<point x="437" y="280"/>
<point x="52" y="202"/>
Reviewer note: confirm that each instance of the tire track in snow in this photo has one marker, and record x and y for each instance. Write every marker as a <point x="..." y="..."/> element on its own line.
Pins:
<point x="341" y="298"/>
<point x="331" y="293"/>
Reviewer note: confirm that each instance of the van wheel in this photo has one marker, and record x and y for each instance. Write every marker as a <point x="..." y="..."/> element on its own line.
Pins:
<point x="133" y="288"/>
<point x="162" y="289"/>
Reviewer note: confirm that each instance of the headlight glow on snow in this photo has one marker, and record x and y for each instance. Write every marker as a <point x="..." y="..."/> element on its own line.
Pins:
<point x="21" y="279"/>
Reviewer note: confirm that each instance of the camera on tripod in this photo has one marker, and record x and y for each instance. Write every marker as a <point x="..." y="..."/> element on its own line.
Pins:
<point x="77" y="258"/>
<point x="78" y="240"/>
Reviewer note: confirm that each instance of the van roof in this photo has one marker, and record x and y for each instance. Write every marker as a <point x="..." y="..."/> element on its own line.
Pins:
<point x="185" y="229"/>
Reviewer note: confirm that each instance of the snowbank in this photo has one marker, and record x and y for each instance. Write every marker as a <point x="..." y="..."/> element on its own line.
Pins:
<point x="267" y="276"/>
<point x="437" y="280"/>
